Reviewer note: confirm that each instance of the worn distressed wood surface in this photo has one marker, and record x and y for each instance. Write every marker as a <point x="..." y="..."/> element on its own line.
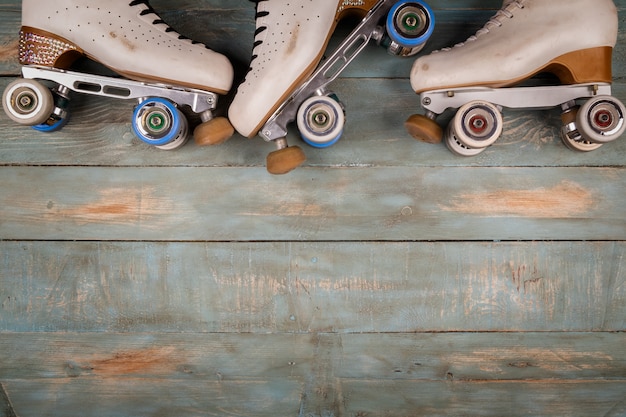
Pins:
<point x="233" y="374"/>
<point x="385" y="278"/>
<point x="279" y="287"/>
<point x="444" y="203"/>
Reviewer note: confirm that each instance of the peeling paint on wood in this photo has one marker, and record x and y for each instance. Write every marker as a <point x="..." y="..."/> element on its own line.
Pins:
<point x="567" y="199"/>
<point x="364" y="204"/>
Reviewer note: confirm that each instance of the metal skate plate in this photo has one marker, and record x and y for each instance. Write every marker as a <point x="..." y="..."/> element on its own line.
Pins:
<point x="199" y="100"/>
<point x="276" y="126"/>
<point x="511" y="97"/>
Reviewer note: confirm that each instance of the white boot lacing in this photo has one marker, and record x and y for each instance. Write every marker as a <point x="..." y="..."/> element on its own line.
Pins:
<point x="506" y="12"/>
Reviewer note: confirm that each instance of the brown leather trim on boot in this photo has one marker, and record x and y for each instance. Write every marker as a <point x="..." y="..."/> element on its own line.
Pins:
<point x="592" y="65"/>
<point x="584" y="66"/>
<point x="345" y="9"/>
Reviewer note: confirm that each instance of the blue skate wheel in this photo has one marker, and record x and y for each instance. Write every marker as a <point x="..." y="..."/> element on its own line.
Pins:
<point x="410" y="23"/>
<point x="49" y="128"/>
<point x="157" y="121"/>
<point x="322" y="145"/>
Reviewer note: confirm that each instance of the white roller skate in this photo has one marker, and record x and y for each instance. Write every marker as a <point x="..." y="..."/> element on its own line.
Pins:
<point x="481" y="76"/>
<point x="286" y="80"/>
<point x="163" y="70"/>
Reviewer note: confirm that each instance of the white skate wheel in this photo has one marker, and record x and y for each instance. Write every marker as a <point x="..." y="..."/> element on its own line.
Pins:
<point x="578" y="144"/>
<point x="601" y="119"/>
<point x="456" y="146"/>
<point x="320" y="121"/>
<point x="28" y="102"/>
<point x="570" y="135"/>
<point x="477" y="124"/>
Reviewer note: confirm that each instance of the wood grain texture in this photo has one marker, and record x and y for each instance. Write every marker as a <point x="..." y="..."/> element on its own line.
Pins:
<point x="394" y="398"/>
<point x="568" y="373"/>
<point x="312" y="287"/>
<point x="439" y="203"/>
<point x="118" y="397"/>
<point x="435" y="357"/>
<point x="355" y="398"/>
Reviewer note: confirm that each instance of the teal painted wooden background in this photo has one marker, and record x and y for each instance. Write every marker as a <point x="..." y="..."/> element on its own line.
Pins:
<point x="384" y="278"/>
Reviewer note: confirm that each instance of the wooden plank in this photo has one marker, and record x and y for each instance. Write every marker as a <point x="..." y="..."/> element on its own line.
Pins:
<point x="99" y="133"/>
<point x="442" y="357"/>
<point x="442" y="203"/>
<point x="312" y="287"/>
<point x="115" y="397"/>
<point x="401" y="374"/>
<point x="269" y="398"/>
<point x="470" y="357"/>
<point x="550" y="398"/>
<point x="156" y="356"/>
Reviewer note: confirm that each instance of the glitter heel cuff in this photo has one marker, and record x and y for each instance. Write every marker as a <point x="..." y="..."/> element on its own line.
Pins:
<point x="45" y="49"/>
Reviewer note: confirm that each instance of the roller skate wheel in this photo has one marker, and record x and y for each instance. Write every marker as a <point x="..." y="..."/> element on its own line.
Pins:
<point x="179" y="140"/>
<point x="320" y="120"/>
<point x="570" y="134"/>
<point x="601" y="119"/>
<point x="410" y="24"/>
<point x="59" y="117"/>
<point x="580" y="145"/>
<point x="51" y="125"/>
<point x="213" y="132"/>
<point x="477" y="124"/>
<point x="424" y="129"/>
<point x="285" y="160"/>
<point x="158" y="122"/>
<point x="28" y="102"/>
<point x="456" y="146"/>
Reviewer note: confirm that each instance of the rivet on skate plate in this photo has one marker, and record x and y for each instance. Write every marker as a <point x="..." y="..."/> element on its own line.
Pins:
<point x="427" y="101"/>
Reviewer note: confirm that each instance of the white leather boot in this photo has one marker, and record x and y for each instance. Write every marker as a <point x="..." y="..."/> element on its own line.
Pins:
<point x="290" y="39"/>
<point x="129" y="38"/>
<point x="572" y="39"/>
